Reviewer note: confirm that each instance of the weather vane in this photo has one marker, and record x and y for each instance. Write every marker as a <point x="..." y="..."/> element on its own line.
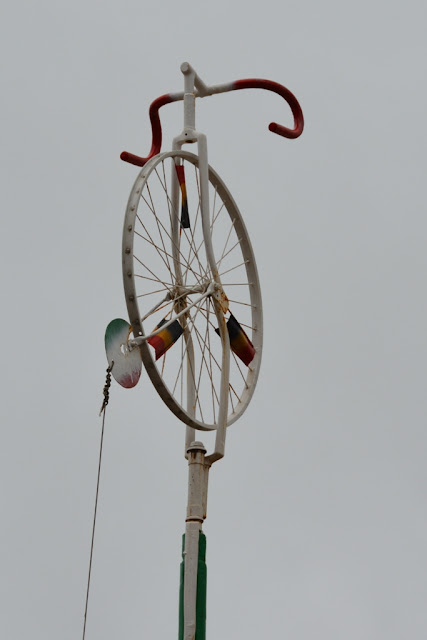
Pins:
<point x="194" y="302"/>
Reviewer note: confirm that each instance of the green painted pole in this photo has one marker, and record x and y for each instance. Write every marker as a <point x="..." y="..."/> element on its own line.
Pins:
<point x="201" y="591"/>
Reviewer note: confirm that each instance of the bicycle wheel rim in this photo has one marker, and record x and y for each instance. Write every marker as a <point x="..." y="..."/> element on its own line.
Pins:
<point x="148" y="249"/>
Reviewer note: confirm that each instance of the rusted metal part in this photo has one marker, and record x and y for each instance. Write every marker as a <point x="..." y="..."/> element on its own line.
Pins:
<point x="221" y="298"/>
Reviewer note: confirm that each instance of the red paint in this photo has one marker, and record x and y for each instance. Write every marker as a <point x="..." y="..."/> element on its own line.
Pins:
<point x="180" y="173"/>
<point x="239" y="341"/>
<point x="269" y="85"/>
<point x="130" y="380"/>
<point x="163" y="341"/>
<point x="159" y="345"/>
<point x="156" y="129"/>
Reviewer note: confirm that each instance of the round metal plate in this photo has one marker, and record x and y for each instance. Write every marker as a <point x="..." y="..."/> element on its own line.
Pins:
<point x="127" y="364"/>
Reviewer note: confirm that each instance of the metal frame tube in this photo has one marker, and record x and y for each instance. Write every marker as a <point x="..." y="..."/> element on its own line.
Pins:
<point x="198" y="472"/>
<point x="199" y="464"/>
<point x="191" y="389"/>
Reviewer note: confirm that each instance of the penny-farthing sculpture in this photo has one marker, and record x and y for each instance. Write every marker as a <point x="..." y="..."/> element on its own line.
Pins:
<point x="194" y="301"/>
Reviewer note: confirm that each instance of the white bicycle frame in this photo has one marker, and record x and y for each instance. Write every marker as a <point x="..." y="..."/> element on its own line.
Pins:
<point x="199" y="462"/>
<point x="194" y="85"/>
<point x="191" y="135"/>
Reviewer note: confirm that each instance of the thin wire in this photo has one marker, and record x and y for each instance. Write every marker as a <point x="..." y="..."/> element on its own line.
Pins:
<point x="104" y="411"/>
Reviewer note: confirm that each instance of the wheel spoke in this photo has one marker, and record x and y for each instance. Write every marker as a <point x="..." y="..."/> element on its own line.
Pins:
<point x="186" y="346"/>
<point x="246" y="304"/>
<point x="192" y="372"/>
<point x="232" y="268"/>
<point x="150" y="293"/>
<point x="217" y="215"/>
<point x="168" y="286"/>
<point x="151" y="241"/>
<point x="176" y="214"/>
<point x="226" y="242"/>
<point x="202" y="241"/>
<point x="158" y="226"/>
<point x="210" y="368"/>
<point x="199" y="277"/>
<point x="237" y="284"/>
<point x="165" y="252"/>
<point x="241" y="372"/>
<point x="193" y="244"/>
<point x="168" y="202"/>
<point x="206" y="346"/>
<point x="229" y="251"/>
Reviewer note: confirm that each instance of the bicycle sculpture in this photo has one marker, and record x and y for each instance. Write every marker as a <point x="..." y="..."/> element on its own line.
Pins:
<point x="194" y="302"/>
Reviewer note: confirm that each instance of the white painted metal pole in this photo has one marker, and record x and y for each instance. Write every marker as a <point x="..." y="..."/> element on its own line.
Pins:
<point x="198" y="464"/>
<point x="198" y="472"/>
<point x="189" y="100"/>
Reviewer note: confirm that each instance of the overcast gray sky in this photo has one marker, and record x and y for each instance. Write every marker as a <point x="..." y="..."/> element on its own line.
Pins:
<point x="317" y="518"/>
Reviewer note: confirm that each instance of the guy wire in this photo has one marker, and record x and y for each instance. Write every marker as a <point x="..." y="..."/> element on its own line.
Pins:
<point x="103" y="411"/>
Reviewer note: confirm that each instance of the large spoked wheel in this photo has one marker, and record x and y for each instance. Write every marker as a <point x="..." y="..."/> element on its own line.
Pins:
<point x="167" y="278"/>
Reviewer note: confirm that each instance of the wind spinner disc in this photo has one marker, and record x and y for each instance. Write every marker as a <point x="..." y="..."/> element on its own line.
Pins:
<point x="127" y="364"/>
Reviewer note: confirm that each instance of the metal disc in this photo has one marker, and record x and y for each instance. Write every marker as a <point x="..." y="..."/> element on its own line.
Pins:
<point x="127" y="364"/>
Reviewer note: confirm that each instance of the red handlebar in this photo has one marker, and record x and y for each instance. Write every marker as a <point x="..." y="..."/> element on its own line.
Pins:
<point x="156" y="128"/>
<point x="269" y="85"/>
<point x="249" y="83"/>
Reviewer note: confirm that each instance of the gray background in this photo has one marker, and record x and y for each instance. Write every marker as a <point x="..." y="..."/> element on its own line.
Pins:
<point x="317" y="518"/>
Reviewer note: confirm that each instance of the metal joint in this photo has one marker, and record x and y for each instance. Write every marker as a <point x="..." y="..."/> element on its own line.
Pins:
<point x="196" y="446"/>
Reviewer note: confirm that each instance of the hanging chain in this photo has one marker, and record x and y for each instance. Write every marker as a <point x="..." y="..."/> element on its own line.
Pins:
<point x="103" y="410"/>
<point x="106" y="390"/>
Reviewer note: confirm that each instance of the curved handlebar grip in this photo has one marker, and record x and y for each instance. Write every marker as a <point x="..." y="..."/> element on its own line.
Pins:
<point x="269" y="85"/>
<point x="156" y="129"/>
